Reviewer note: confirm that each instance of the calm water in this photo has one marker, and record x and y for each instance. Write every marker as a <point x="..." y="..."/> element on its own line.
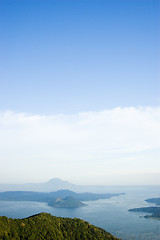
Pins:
<point x="110" y="214"/>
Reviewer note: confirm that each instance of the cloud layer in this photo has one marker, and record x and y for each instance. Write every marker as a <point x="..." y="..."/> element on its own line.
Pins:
<point x="92" y="147"/>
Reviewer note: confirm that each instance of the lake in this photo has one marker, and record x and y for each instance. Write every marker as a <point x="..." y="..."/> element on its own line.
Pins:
<point x="111" y="214"/>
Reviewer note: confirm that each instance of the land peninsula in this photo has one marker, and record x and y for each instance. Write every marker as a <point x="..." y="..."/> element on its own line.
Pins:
<point x="60" y="198"/>
<point x="154" y="211"/>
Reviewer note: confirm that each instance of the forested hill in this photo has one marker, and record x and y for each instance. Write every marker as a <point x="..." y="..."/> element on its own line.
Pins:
<point x="46" y="226"/>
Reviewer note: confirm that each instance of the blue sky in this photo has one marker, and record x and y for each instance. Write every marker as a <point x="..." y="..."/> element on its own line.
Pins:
<point x="70" y="56"/>
<point x="80" y="90"/>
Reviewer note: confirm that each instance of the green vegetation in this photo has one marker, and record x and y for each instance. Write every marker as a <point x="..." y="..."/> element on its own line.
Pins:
<point x="48" y="227"/>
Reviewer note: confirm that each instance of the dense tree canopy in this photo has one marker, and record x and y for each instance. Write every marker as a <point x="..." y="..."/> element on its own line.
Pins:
<point x="45" y="226"/>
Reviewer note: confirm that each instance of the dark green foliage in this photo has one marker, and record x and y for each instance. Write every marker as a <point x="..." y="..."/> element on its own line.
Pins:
<point x="47" y="227"/>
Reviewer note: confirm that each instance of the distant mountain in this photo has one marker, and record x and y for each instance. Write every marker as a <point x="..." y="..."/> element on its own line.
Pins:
<point x="57" y="184"/>
<point x="46" y="226"/>
<point x="52" y="185"/>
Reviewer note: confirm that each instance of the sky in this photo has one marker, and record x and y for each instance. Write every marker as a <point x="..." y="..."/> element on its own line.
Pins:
<point x="80" y="91"/>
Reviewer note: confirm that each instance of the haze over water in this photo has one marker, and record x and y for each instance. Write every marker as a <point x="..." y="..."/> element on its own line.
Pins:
<point x="111" y="214"/>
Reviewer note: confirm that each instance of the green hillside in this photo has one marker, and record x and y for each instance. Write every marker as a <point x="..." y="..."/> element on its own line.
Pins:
<point x="46" y="226"/>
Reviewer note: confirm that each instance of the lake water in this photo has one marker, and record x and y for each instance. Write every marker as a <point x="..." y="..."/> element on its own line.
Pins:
<point x="111" y="214"/>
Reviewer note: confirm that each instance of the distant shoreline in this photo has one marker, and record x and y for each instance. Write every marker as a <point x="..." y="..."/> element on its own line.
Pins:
<point x="155" y="210"/>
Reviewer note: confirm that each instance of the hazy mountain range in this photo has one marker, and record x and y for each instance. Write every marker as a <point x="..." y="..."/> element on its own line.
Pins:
<point x="60" y="198"/>
<point x="54" y="185"/>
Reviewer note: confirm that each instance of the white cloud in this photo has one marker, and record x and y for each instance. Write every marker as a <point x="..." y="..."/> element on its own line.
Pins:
<point x="110" y="142"/>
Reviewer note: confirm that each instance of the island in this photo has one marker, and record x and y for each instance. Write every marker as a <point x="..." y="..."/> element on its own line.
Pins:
<point x="45" y="226"/>
<point x="67" y="202"/>
<point x="153" y="200"/>
<point x="60" y="198"/>
<point x="155" y="211"/>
